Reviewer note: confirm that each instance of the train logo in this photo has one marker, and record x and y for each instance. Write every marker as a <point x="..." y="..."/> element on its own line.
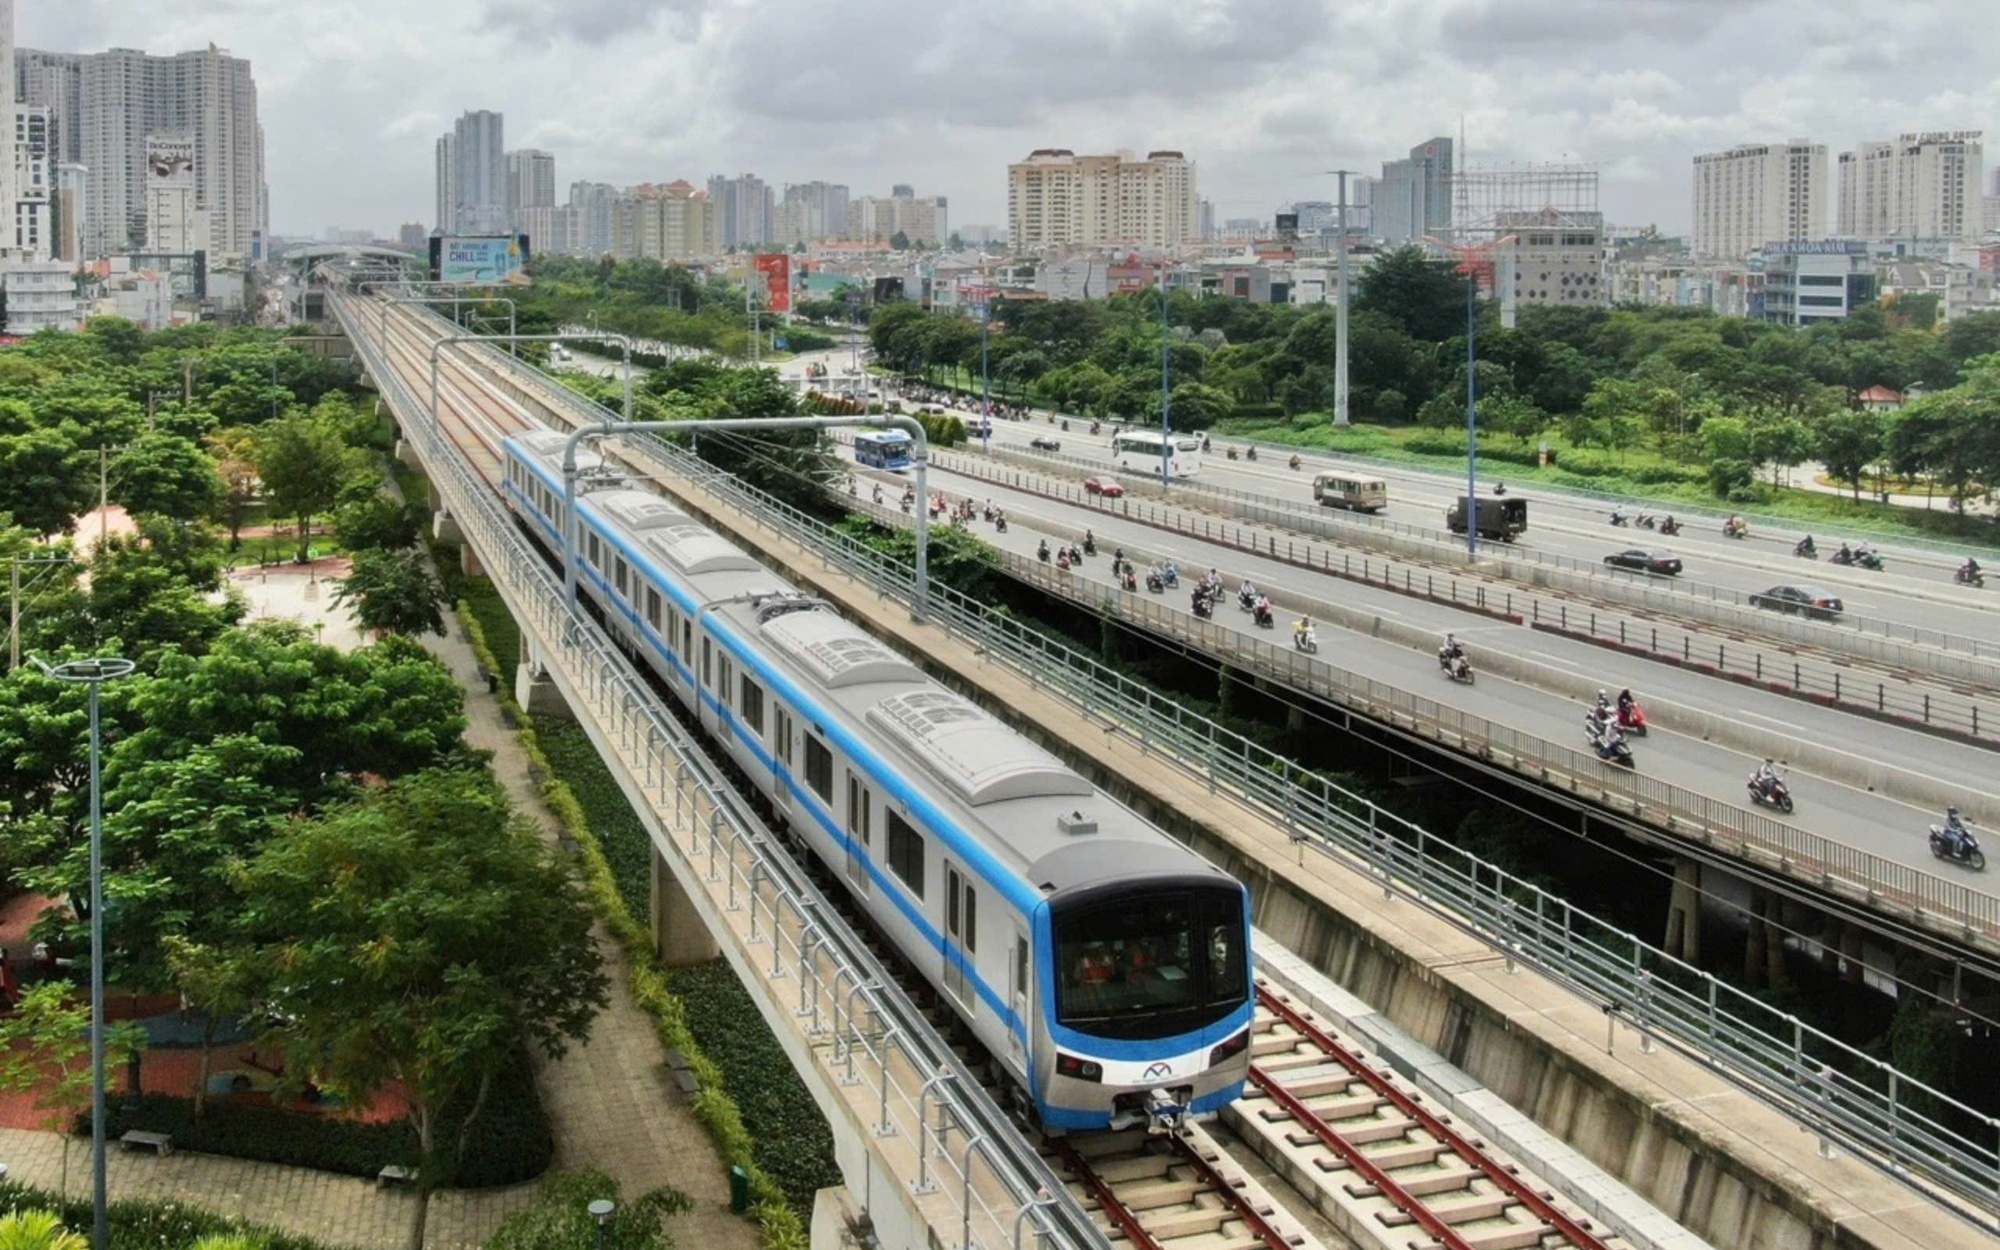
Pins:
<point x="1159" y="1069"/>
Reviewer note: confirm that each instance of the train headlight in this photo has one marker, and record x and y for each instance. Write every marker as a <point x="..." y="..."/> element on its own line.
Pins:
<point x="1079" y="1069"/>
<point x="1229" y="1049"/>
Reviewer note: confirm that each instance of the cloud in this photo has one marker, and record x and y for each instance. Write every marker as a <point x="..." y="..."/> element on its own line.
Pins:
<point x="942" y="94"/>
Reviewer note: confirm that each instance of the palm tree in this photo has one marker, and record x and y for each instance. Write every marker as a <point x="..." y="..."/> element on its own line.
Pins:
<point x="37" y="1230"/>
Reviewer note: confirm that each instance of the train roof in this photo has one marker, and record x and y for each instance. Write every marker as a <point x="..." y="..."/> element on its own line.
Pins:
<point x="636" y="510"/>
<point x="546" y="448"/>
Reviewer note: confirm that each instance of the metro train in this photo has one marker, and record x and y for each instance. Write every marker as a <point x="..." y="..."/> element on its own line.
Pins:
<point x="1105" y="967"/>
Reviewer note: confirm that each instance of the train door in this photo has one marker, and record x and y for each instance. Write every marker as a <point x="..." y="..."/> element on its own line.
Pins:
<point x="782" y="754"/>
<point x="1017" y="992"/>
<point x="961" y="935"/>
<point x="860" y="805"/>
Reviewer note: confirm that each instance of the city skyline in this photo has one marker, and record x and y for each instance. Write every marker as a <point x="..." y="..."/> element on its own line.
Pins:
<point x="1636" y="87"/>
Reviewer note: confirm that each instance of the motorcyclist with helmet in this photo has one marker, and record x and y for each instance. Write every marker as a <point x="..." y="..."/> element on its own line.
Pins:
<point x="1957" y="836"/>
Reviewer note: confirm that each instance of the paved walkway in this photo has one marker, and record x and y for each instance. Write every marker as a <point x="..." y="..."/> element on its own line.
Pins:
<point x="611" y="1103"/>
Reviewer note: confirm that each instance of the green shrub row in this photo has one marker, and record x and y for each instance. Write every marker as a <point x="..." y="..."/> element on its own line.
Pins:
<point x="148" y="1224"/>
<point x="513" y="1141"/>
<point x="781" y="1224"/>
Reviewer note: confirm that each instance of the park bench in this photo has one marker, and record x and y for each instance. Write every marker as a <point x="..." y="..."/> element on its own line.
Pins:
<point x="394" y="1174"/>
<point x="161" y="1144"/>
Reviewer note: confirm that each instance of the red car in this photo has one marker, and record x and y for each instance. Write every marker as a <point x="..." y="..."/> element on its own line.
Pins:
<point x="1105" y="486"/>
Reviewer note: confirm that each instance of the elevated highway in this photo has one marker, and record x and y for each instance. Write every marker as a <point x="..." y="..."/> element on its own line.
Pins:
<point x="1789" y="1192"/>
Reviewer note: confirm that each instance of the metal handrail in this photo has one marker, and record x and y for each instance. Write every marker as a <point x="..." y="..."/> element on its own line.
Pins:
<point x="1823" y="1082"/>
<point x="746" y="858"/>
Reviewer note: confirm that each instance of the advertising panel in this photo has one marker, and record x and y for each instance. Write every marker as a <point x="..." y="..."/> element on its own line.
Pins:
<point x="776" y="268"/>
<point x="480" y="260"/>
<point x="169" y="162"/>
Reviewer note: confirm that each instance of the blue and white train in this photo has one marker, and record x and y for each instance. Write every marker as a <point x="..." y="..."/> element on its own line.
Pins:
<point x="1105" y="967"/>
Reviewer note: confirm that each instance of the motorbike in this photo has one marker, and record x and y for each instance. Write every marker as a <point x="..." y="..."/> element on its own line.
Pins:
<point x="1647" y="521"/>
<point x="1632" y="719"/>
<point x="1871" y="560"/>
<point x="1090" y="544"/>
<point x="1806" y="549"/>
<point x="1306" y="640"/>
<point x="1093" y="427"/>
<point x="1204" y="607"/>
<point x="1620" y="520"/>
<point x="1611" y="748"/>
<point x="1772" y="791"/>
<point x="1130" y="581"/>
<point x="1042" y="552"/>
<point x="1736" y="529"/>
<point x="1232" y="453"/>
<point x="1841" y="557"/>
<point x="1670" y="527"/>
<point x="1968" y="577"/>
<point x="1000" y="525"/>
<point x="1251" y="454"/>
<point x="1171" y="576"/>
<point x="1156" y="584"/>
<point x="1943" y="846"/>
<point x="1063" y="561"/>
<point x="1263" y="615"/>
<point x="1456" y="667"/>
<point x="1246" y="601"/>
<point x="1295" y="462"/>
<point x="1065" y="426"/>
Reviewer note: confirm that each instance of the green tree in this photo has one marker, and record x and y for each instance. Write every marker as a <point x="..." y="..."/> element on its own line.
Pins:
<point x="561" y="1218"/>
<point x="166" y="475"/>
<point x="45" y="1051"/>
<point x="1421" y="296"/>
<point x="475" y="936"/>
<point x="235" y="452"/>
<point x="1848" y="442"/>
<point x="377" y="522"/>
<point x="303" y="462"/>
<point x="45" y="483"/>
<point x="900" y="241"/>
<point x="393" y="592"/>
<point x="1194" y="406"/>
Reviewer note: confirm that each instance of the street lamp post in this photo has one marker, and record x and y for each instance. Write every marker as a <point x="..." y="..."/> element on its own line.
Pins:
<point x="1340" y="404"/>
<point x="94" y="673"/>
<point x="600" y="1210"/>
<point x="1166" y="439"/>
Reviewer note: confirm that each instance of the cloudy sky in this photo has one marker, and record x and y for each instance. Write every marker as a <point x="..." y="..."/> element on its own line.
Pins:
<point x="1264" y="94"/>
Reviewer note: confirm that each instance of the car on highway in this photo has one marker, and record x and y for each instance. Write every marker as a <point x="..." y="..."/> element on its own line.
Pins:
<point x="1645" y="560"/>
<point x="1814" y="601"/>
<point x="1108" y="487"/>
<point x="1042" y="442"/>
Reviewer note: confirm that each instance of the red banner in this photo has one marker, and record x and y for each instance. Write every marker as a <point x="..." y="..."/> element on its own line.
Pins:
<point x="777" y="270"/>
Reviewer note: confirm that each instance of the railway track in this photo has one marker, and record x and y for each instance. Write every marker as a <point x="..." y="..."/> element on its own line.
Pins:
<point x="1356" y="1146"/>
<point x="1385" y="1168"/>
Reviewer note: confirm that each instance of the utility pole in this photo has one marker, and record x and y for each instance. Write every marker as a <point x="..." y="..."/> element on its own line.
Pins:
<point x="103" y="495"/>
<point x="1340" y="413"/>
<point x="1166" y="377"/>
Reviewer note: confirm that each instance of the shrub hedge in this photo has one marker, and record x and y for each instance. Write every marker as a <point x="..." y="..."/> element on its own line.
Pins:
<point x="512" y="1141"/>
<point x="149" y="1224"/>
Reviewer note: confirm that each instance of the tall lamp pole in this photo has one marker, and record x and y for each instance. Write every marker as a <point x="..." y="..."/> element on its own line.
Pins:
<point x="1166" y="390"/>
<point x="94" y="673"/>
<point x="985" y="375"/>
<point x="1340" y="406"/>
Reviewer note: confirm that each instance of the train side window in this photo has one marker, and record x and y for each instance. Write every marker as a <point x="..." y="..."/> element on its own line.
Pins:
<point x="707" y="658"/>
<point x="590" y="549"/>
<point x="752" y="706"/>
<point x="819" y="768"/>
<point x="906" y="854"/>
<point x="784" y="736"/>
<point x="653" y="608"/>
<point x="687" y="638"/>
<point x="618" y="562"/>
<point x="725" y="677"/>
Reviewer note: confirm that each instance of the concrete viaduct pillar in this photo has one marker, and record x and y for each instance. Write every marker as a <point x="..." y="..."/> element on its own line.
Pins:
<point x="679" y="936"/>
<point x="1683" y="938"/>
<point x="535" y="690"/>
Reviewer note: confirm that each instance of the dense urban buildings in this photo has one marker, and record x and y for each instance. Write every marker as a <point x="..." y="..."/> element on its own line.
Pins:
<point x="105" y="107"/>
<point x="1056" y="199"/>
<point x="1922" y="186"/>
<point x="1758" y="193"/>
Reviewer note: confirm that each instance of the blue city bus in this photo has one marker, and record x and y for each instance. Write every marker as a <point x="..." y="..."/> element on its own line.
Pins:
<point x="882" y="449"/>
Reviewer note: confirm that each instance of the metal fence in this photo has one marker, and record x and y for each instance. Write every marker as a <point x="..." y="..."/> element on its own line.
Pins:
<point x="1826" y="1084"/>
<point x="1808" y="675"/>
<point x="867" y="1036"/>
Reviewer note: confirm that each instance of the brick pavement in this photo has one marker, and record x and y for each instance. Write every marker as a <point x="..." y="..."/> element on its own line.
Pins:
<point x="610" y="1101"/>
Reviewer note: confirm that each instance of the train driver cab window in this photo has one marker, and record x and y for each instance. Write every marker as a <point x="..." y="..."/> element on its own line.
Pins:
<point x="819" y="767"/>
<point x="1151" y="966"/>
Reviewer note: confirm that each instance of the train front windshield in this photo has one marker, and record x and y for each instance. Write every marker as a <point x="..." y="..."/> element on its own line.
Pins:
<point x="1151" y="965"/>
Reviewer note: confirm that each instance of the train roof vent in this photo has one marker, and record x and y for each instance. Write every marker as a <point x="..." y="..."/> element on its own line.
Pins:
<point x="835" y="652"/>
<point x="1076" y="823"/>
<point x="973" y="753"/>
<point x="636" y="510"/>
<point x="692" y="549"/>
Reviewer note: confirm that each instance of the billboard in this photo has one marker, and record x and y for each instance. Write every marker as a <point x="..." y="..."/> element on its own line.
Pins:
<point x="776" y="269"/>
<point x="480" y="260"/>
<point x="169" y="162"/>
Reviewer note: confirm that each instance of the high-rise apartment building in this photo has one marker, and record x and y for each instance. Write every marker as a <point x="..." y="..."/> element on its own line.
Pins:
<point x="1412" y="198"/>
<point x="446" y="213"/>
<point x="746" y="210"/>
<point x="591" y="207"/>
<point x="175" y="224"/>
<point x="812" y="211"/>
<point x="1056" y="198"/>
<point x="531" y="182"/>
<point x="411" y="234"/>
<point x="922" y="220"/>
<point x="34" y="235"/>
<point x="10" y="174"/>
<point x="102" y="105"/>
<point x="66" y="212"/>
<point x="1922" y="186"/>
<point x="479" y="174"/>
<point x="1758" y="193"/>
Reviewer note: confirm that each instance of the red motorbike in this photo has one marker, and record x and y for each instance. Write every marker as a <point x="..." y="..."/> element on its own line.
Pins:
<point x="1632" y="719"/>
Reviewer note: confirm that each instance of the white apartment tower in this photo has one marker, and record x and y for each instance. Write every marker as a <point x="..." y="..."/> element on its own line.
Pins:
<point x="102" y="105"/>
<point x="1922" y="186"/>
<point x="531" y="181"/>
<point x="447" y="182"/>
<point x="1758" y="193"/>
<point x="478" y="175"/>
<point x="10" y="173"/>
<point x="1056" y="198"/>
<point x="34" y="234"/>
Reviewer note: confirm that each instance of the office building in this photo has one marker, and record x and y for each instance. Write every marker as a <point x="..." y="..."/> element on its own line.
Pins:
<point x="1758" y="193"/>
<point x="531" y="183"/>
<point x="446" y="212"/>
<point x="1412" y="198"/>
<point x="1551" y="258"/>
<point x="1922" y="186"/>
<point x="411" y="234"/>
<point x="1056" y="198"/>
<point x="479" y="175"/>
<point x="1811" y="281"/>
<point x="67" y="203"/>
<point x="34" y="236"/>
<point x="1205" y="220"/>
<point x="11" y="188"/>
<point x="175" y="224"/>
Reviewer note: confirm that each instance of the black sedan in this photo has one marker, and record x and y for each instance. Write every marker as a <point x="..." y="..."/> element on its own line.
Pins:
<point x="1816" y="602"/>
<point x="1042" y="442"/>
<point x="1664" y="563"/>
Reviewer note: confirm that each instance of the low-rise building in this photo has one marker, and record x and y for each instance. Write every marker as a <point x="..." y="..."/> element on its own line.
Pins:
<point x="1815" y="281"/>
<point x="41" y="295"/>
